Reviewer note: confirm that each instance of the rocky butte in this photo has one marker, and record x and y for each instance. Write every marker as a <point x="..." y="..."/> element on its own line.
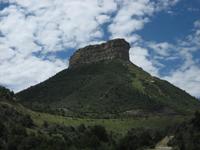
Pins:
<point x="113" y="49"/>
<point x="107" y="89"/>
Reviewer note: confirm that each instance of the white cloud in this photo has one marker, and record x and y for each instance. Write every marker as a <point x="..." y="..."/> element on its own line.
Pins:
<point x="139" y="56"/>
<point x="162" y="49"/>
<point x="22" y="72"/>
<point x="188" y="79"/>
<point x="165" y="4"/>
<point x="189" y="45"/>
<point x="131" y="17"/>
<point x="103" y="19"/>
<point x="55" y="25"/>
<point x="197" y="24"/>
<point x="5" y="53"/>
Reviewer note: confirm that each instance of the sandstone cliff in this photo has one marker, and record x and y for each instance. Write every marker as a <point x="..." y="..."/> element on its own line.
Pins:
<point x="117" y="48"/>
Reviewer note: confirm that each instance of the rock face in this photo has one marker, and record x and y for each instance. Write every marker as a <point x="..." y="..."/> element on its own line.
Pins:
<point x="117" y="48"/>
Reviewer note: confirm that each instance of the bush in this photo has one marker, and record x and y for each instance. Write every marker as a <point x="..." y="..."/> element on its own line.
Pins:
<point x="187" y="135"/>
<point x="100" y="132"/>
<point x="27" y="121"/>
<point x="6" y="93"/>
<point x="138" y="138"/>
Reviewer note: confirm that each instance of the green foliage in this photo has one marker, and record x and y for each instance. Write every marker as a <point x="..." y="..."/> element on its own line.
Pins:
<point x="22" y="129"/>
<point x="139" y="138"/>
<point x="19" y="132"/>
<point x="196" y="120"/>
<point x="11" y="115"/>
<point x="6" y="94"/>
<point x="119" y="125"/>
<point x="187" y="135"/>
<point x="100" y="133"/>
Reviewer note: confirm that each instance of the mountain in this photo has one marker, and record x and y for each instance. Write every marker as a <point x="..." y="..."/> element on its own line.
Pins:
<point x="102" y="82"/>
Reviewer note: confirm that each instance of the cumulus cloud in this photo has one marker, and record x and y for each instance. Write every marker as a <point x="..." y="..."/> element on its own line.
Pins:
<point x="139" y="56"/>
<point x="21" y="72"/>
<point x="53" y="25"/>
<point x="162" y="49"/>
<point x="6" y="53"/>
<point x="188" y="79"/>
<point x="131" y="17"/>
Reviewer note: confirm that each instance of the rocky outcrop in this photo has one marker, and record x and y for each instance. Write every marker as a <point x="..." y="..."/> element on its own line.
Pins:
<point x="113" y="49"/>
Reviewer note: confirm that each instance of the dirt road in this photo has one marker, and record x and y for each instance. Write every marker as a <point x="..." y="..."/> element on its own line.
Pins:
<point x="162" y="145"/>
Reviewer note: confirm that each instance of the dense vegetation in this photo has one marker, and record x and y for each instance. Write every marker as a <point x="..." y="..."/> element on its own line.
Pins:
<point x="22" y="129"/>
<point x="107" y="89"/>
<point x="187" y="135"/>
<point x="6" y="94"/>
<point x="58" y="137"/>
<point x="18" y="131"/>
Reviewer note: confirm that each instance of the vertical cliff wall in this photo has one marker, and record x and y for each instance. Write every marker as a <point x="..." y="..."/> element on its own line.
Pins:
<point x="117" y="48"/>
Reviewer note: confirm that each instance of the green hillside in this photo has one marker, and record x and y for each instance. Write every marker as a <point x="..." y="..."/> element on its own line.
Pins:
<point x="107" y="89"/>
<point x="13" y="112"/>
<point x="22" y="129"/>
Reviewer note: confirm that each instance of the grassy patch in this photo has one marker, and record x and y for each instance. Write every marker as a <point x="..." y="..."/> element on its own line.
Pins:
<point x="137" y="84"/>
<point x="114" y="125"/>
<point x="121" y="125"/>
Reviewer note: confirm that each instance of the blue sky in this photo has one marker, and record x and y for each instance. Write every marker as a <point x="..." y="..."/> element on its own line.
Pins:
<point x="174" y="23"/>
<point x="38" y="38"/>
